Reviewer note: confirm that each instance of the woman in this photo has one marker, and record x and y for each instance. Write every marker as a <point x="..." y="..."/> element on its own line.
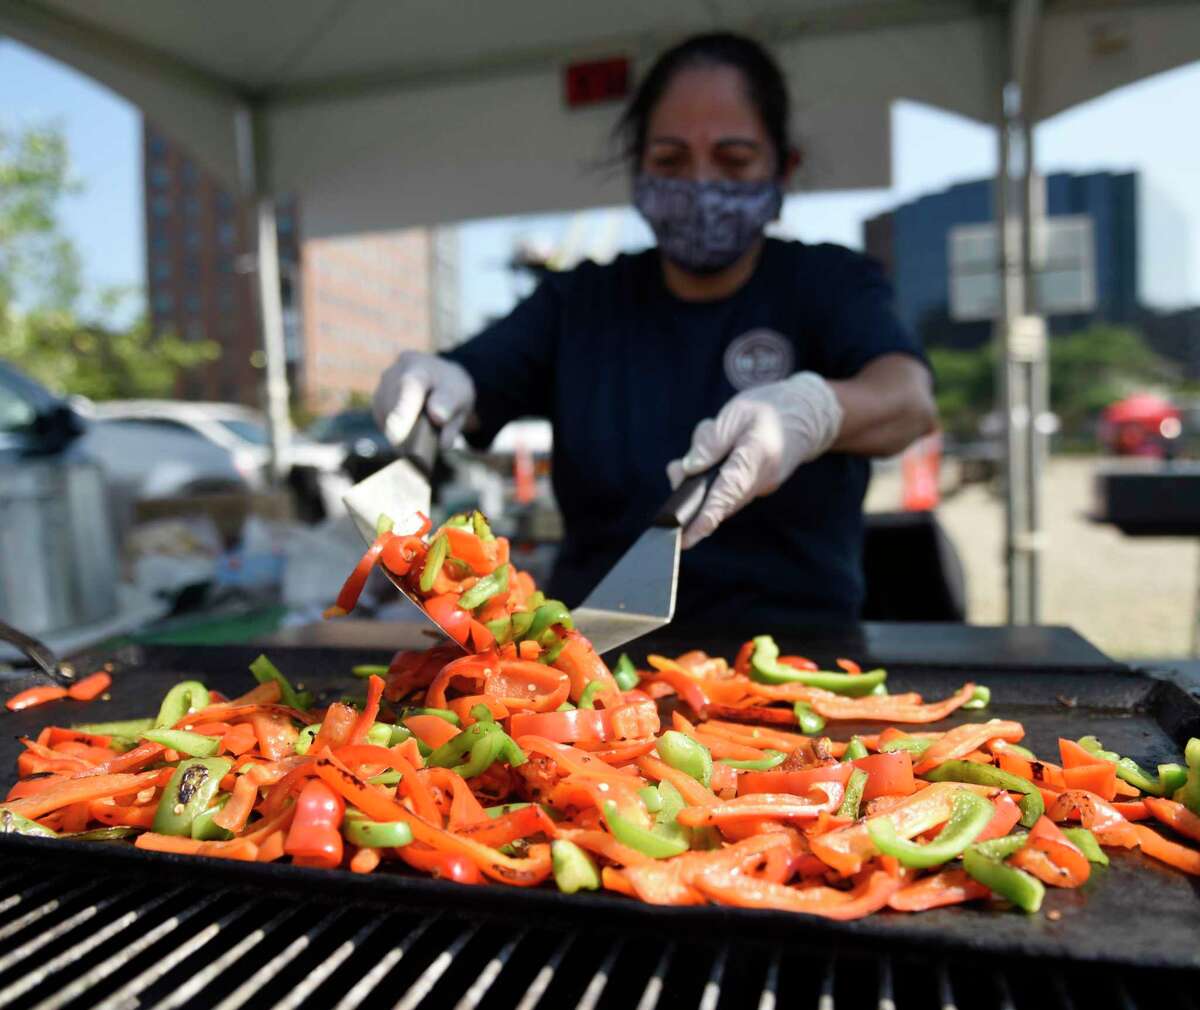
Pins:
<point x="779" y="362"/>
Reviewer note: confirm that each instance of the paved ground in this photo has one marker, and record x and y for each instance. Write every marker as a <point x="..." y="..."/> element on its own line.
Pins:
<point x="1133" y="597"/>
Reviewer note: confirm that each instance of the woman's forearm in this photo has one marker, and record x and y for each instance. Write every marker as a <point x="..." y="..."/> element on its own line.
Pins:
<point x="887" y="406"/>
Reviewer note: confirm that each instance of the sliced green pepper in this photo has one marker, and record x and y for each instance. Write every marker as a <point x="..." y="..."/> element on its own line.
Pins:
<point x="914" y="745"/>
<point x="185" y="697"/>
<point x="391" y="777"/>
<point x="808" y="720"/>
<point x="485" y="589"/>
<point x="969" y="816"/>
<point x="588" y="698"/>
<point x="856" y="750"/>
<point x="553" y="651"/>
<point x="1020" y="751"/>
<point x="433" y="561"/>
<point x="652" y="798"/>
<point x="666" y="822"/>
<point x="1031" y="803"/>
<point x="1002" y="848"/>
<point x="1170" y="776"/>
<point x="649" y="843"/>
<point x="375" y="834"/>
<point x="981" y="697"/>
<point x="574" y="869"/>
<point x="189" y="793"/>
<point x="501" y="629"/>
<point x="566" y="706"/>
<point x="15" y="824"/>
<point x="852" y="798"/>
<point x="384" y="524"/>
<point x="504" y="808"/>
<point x="1022" y="889"/>
<point x="484" y="742"/>
<point x="364" y="670"/>
<point x="625" y="673"/>
<point x="686" y="755"/>
<point x="1189" y="793"/>
<point x="128" y="728"/>
<point x="265" y="671"/>
<point x="1086" y="843"/>
<point x="481" y="713"/>
<point x="380" y="735"/>
<point x="480" y="525"/>
<point x="522" y="621"/>
<point x="546" y="616"/>
<point x="770" y="759"/>
<point x="305" y="739"/>
<point x="110" y="834"/>
<point x="191" y="744"/>
<point x="459" y="519"/>
<point x="441" y="713"/>
<point x="203" y="828"/>
<point x="766" y="669"/>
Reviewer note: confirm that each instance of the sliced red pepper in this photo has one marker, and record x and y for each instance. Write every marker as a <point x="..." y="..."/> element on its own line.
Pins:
<point x="446" y="614"/>
<point x="947" y="887"/>
<point x="90" y="687"/>
<point x="1174" y="815"/>
<point x="34" y="696"/>
<point x="314" y="838"/>
<point x="582" y="725"/>
<point x="1003" y="821"/>
<point x="887" y="775"/>
<point x="352" y="588"/>
<point x="743" y="891"/>
<point x="442" y="865"/>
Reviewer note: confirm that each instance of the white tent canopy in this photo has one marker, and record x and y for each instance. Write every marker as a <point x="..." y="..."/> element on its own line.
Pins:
<point x="381" y="114"/>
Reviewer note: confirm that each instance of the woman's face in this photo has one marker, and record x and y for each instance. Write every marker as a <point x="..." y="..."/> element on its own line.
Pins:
<point x="705" y="128"/>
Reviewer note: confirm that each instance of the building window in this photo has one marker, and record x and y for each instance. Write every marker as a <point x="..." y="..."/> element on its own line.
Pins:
<point x="160" y="176"/>
<point x="157" y="145"/>
<point x="162" y="268"/>
<point x="192" y="238"/>
<point x="189" y="173"/>
<point x="191" y="206"/>
<point x="164" y="304"/>
<point x="193" y="302"/>
<point x="160" y="205"/>
<point x="194" y="331"/>
<point x="227" y="234"/>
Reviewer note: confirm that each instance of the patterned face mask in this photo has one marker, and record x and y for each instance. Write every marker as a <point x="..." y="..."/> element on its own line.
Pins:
<point x="703" y="227"/>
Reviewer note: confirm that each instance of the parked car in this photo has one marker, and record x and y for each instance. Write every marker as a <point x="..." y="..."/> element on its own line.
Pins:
<point x="366" y="448"/>
<point x="310" y="468"/>
<point x="57" y="551"/>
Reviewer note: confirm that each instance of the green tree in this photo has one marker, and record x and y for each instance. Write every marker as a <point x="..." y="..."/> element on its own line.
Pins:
<point x="964" y="388"/>
<point x="1097" y="366"/>
<point x="43" y="331"/>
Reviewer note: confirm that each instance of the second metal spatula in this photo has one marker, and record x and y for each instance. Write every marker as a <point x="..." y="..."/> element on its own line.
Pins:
<point x="637" y="596"/>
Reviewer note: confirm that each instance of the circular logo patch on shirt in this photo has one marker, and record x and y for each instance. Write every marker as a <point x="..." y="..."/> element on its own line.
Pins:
<point x="758" y="357"/>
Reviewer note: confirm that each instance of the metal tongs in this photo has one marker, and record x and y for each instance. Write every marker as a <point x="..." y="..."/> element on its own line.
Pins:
<point x="40" y="654"/>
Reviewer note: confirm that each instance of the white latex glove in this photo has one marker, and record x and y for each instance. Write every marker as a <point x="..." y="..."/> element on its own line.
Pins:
<point x="762" y="435"/>
<point x="415" y="380"/>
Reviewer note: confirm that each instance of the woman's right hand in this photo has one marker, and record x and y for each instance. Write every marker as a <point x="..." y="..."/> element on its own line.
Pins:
<point x="415" y="380"/>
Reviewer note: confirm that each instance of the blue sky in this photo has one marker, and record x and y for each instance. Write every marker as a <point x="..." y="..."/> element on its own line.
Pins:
<point x="1138" y="127"/>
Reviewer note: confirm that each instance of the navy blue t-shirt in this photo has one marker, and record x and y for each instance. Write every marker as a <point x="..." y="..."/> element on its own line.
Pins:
<point x="625" y="371"/>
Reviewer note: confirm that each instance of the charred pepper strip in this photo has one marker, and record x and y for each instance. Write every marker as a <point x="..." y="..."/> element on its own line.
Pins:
<point x="766" y="669"/>
<point x="969" y="816"/>
<point x="1032" y="803"/>
<point x="855" y="750"/>
<point x="188" y="794"/>
<point x="1170" y="776"/>
<point x="15" y="824"/>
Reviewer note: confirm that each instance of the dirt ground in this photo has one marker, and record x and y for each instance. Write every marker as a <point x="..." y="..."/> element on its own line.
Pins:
<point x="1132" y="597"/>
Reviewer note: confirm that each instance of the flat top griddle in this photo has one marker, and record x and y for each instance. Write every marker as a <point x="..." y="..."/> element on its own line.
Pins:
<point x="1135" y="912"/>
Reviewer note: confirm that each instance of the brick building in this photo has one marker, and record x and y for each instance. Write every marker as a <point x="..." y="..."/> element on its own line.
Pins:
<point x="351" y="304"/>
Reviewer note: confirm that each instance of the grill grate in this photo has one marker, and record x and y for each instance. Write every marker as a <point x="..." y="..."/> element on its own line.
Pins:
<point x="120" y="942"/>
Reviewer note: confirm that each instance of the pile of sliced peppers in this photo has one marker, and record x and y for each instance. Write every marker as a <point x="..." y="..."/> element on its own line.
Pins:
<point x="527" y="761"/>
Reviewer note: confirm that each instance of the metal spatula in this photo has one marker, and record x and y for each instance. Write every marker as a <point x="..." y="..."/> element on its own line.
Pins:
<point x="399" y="490"/>
<point x="637" y="596"/>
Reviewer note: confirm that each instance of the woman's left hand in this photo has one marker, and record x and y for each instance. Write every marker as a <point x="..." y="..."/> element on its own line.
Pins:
<point x="759" y="438"/>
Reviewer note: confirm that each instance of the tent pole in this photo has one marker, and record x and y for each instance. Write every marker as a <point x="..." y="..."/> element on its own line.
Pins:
<point x="1023" y="380"/>
<point x="252" y="139"/>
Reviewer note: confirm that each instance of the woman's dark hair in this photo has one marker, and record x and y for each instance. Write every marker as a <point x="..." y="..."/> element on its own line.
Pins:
<point x="765" y="84"/>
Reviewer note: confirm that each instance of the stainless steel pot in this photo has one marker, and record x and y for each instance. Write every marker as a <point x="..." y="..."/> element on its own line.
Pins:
<point x="58" y="559"/>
